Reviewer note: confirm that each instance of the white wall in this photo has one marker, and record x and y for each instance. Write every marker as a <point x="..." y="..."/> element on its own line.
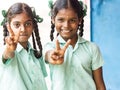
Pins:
<point x="42" y="9"/>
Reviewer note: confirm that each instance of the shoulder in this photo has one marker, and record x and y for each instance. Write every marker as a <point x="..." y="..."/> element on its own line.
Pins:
<point x="93" y="47"/>
<point x="88" y="45"/>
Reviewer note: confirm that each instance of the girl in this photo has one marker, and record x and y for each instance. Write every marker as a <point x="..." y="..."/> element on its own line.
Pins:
<point x="23" y="66"/>
<point x="75" y="63"/>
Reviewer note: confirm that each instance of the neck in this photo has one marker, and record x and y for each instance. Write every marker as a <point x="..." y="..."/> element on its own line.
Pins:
<point x="73" y="41"/>
<point x="25" y="45"/>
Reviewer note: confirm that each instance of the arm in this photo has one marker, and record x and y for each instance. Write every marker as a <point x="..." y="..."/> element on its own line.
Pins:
<point x="98" y="78"/>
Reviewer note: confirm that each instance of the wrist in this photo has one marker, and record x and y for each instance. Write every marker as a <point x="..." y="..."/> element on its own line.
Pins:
<point x="7" y="54"/>
<point x="47" y="56"/>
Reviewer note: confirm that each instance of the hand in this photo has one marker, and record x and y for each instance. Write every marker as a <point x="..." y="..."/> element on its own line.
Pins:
<point x="11" y="43"/>
<point x="12" y="39"/>
<point x="57" y="55"/>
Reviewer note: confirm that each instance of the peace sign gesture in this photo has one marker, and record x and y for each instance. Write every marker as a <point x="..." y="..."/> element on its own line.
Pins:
<point x="12" y="39"/>
<point x="56" y="56"/>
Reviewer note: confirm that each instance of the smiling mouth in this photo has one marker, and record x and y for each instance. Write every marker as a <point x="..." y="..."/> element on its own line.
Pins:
<point x="66" y="31"/>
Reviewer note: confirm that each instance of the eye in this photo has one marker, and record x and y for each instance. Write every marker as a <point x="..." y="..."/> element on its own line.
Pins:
<point x="60" y="20"/>
<point x="29" y="23"/>
<point x="73" y="20"/>
<point x="16" y="25"/>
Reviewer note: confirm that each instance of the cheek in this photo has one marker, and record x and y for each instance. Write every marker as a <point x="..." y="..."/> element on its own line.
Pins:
<point x="16" y="31"/>
<point x="29" y="31"/>
<point x="57" y="29"/>
<point x="58" y="26"/>
<point x="75" y="26"/>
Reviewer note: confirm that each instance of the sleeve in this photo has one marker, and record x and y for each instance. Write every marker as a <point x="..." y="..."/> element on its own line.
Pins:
<point x="5" y="68"/>
<point x="8" y="61"/>
<point x="1" y="57"/>
<point x="42" y="63"/>
<point x="97" y="59"/>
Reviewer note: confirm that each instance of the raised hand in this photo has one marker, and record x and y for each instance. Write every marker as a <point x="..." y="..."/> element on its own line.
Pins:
<point x="57" y="55"/>
<point x="11" y="44"/>
<point x="12" y="39"/>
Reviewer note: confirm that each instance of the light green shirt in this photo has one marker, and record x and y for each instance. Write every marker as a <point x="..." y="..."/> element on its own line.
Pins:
<point x="23" y="72"/>
<point x="79" y="62"/>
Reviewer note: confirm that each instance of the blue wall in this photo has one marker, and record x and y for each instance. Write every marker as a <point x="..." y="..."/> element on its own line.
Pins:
<point x="105" y="31"/>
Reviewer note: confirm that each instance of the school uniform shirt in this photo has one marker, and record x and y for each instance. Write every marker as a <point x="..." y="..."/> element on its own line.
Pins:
<point x="23" y="72"/>
<point x="76" y="71"/>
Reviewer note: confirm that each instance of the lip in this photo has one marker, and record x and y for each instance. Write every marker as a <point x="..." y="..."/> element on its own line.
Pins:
<point x="23" y="34"/>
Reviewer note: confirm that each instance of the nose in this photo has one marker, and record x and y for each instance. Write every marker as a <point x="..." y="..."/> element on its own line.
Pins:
<point x="22" y="28"/>
<point x="66" y="24"/>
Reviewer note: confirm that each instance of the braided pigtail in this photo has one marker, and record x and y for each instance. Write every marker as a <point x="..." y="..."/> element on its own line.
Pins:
<point x="81" y="28"/>
<point x="5" y="33"/>
<point x="36" y="39"/>
<point x="50" y="5"/>
<point x="84" y="11"/>
<point x="52" y="31"/>
<point x="33" y="40"/>
<point x="36" y="53"/>
<point x="36" y="32"/>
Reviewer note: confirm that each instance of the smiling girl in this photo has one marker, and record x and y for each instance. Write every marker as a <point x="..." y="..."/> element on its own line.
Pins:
<point x="75" y="63"/>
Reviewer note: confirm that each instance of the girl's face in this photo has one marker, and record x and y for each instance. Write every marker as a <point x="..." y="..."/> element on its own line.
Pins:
<point x="66" y="23"/>
<point x="23" y="25"/>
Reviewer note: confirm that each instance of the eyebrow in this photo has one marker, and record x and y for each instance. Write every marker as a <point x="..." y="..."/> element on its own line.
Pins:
<point x="29" y="20"/>
<point x="19" y="21"/>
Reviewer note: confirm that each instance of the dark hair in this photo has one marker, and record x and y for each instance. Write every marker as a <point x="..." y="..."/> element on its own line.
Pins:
<point x="18" y="8"/>
<point x="75" y="5"/>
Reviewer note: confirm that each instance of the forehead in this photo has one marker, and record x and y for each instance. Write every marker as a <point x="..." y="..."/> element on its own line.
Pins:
<point x="21" y="17"/>
<point x="69" y="12"/>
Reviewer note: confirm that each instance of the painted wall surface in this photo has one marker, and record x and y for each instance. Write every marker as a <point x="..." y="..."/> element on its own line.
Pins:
<point x="105" y="31"/>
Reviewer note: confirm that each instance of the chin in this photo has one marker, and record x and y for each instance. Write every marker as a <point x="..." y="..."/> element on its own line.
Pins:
<point x="66" y="38"/>
<point x="23" y="40"/>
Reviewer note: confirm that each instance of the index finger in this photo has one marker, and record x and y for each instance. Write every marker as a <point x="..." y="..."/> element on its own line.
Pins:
<point x="67" y="44"/>
<point x="57" y="45"/>
<point x="10" y="30"/>
<point x="16" y="37"/>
